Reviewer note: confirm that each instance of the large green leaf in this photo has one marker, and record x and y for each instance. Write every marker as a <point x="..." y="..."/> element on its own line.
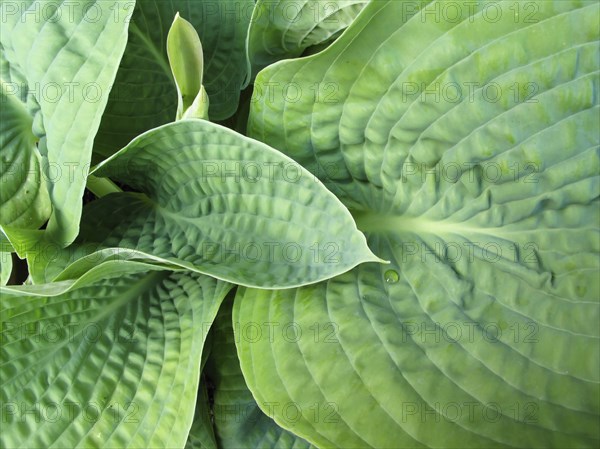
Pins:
<point x="145" y="95"/>
<point x="483" y="331"/>
<point x="104" y="362"/>
<point x="54" y="90"/>
<point x="238" y="421"/>
<point x="286" y="28"/>
<point x="225" y="205"/>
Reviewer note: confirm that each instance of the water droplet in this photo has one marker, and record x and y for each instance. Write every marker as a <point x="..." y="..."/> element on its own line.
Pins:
<point x="391" y="276"/>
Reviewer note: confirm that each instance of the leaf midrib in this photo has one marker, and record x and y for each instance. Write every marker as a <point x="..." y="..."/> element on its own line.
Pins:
<point x="370" y="222"/>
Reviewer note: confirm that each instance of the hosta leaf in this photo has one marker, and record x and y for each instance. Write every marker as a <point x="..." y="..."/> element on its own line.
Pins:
<point x="55" y="88"/>
<point x="224" y="205"/>
<point x="483" y="330"/>
<point x="145" y="95"/>
<point x="239" y="423"/>
<point x="285" y="28"/>
<point x="111" y="363"/>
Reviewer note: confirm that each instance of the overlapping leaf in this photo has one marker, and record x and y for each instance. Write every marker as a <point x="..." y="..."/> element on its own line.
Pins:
<point x="468" y="151"/>
<point x="220" y="203"/>
<point x="285" y="29"/>
<point x="54" y="90"/>
<point x="109" y="360"/>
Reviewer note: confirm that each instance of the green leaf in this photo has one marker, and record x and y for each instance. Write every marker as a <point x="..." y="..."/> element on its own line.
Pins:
<point x="284" y="29"/>
<point x="239" y="423"/>
<point x="109" y="363"/>
<point x="145" y="95"/>
<point x="55" y="88"/>
<point x="187" y="64"/>
<point x="483" y="331"/>
<point x="225" y="205"/>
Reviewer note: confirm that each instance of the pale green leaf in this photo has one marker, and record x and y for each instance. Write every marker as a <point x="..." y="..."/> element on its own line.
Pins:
<point x="59" y="87"/>
<point x="101" y="186"/>
<point x="284" y="29"/>
<point x="483" y="331"/>
<point x="186" y="60"/>
<point x="225" y="205"/>
<point x="112" y="363"/>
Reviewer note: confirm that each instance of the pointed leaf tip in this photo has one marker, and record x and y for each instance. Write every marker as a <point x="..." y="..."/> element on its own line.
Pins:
<point x="186" y="59"/>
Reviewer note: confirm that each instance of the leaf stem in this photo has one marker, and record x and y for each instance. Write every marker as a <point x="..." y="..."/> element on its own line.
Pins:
<point x="101" y="186"/>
